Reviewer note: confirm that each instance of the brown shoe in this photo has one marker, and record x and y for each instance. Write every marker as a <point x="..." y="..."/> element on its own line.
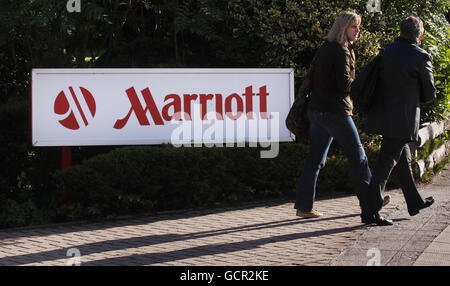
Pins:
<point x="386" y="200"/>
<point x="310" y="214"/>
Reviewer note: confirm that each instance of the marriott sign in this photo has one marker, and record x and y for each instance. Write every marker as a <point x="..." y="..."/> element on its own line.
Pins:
<point x="74" y="107"/>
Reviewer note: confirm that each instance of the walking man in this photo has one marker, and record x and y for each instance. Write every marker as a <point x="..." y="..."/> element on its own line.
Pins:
<point x="405" y="80"/>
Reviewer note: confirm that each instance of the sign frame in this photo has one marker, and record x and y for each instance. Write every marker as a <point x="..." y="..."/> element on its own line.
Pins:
<point x="140" y="71"/>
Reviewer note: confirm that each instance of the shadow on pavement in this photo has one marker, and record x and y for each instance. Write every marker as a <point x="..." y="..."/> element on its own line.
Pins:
<point x="197" y="251"/>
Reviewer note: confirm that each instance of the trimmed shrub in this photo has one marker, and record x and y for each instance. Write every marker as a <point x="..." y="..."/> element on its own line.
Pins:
<point x="151" y="179"/>
<point x="26" y="189"/>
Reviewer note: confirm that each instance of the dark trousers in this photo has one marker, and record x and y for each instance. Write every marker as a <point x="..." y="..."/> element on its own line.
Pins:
<point x="395" y="156"/>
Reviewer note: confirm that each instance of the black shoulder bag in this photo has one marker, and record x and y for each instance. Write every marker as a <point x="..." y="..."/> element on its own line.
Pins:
<point x="297" y="120"/>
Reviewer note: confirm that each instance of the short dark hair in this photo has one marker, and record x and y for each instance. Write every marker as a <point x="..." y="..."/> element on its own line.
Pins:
<point x="411" y="28"/>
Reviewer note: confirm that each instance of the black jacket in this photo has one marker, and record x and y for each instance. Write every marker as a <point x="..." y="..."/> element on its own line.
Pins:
<point x="405" y="80"/>
<point x="333" y="73"/>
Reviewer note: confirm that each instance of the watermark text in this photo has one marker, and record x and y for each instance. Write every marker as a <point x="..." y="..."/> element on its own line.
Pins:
<point x="73" y="6"/>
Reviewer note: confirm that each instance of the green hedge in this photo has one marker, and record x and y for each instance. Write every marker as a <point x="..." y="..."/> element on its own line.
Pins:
<point x="27" y="192"/>
<point x="151" y="179"/>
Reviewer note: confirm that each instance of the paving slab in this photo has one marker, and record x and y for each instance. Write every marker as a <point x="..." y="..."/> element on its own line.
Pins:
<point x="411" y="238"/>
<point x="258" y="234"/>
<point x="438" y="252"/>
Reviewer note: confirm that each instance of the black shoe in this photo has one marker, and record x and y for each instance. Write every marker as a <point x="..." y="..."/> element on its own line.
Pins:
<point x="386" y="201"/>
<point x="377" y="219"/>
<point x="428" y="202"/>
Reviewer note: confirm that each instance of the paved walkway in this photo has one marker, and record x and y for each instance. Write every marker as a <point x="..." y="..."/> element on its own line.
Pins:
<point x="438" y="252"/>
<point x="411" y="240"/>
<point x="267" y="234"/>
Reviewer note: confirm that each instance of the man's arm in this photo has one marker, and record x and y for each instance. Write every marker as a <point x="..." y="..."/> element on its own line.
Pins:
<point x="426" y="78"/>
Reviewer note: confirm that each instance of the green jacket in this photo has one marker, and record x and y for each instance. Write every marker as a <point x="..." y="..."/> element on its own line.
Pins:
<point x="332" y="76"/>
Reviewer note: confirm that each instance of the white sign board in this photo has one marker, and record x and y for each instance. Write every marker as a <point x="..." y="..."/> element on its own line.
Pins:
<point x="75" y="107"/>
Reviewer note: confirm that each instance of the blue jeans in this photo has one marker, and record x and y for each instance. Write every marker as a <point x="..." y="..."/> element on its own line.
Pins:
<point x="324" y="128"/>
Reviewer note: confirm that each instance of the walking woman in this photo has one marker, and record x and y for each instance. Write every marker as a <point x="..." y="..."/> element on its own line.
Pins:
<point x="330" y="115"/>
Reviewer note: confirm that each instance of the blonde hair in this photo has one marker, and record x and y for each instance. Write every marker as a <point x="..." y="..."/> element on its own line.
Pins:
<point x="338" y="33"/>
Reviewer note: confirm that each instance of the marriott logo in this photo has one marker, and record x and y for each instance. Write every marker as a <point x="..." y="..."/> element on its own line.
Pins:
<point x="178" y="107"/>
